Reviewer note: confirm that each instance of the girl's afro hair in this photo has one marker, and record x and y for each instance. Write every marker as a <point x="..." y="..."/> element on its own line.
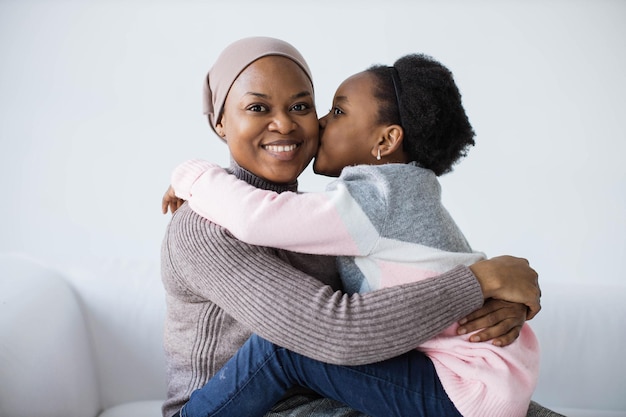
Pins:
<point x="437" y="132"/>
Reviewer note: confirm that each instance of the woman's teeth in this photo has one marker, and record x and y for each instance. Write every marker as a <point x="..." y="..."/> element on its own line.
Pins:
<point x="281" y="148"/>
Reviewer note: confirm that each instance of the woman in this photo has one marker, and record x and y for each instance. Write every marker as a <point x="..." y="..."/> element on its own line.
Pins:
<point x="259" y="99"/>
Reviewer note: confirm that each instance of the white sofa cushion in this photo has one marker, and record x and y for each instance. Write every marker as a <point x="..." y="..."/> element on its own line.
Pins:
<point x="135" y="409"/>
<point x="45" y="358"/>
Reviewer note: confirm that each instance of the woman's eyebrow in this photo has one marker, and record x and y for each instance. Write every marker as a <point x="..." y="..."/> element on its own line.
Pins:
<point x="266" y="96"/>
<point x="260" y="95"/>
<point x="301" y="94"/>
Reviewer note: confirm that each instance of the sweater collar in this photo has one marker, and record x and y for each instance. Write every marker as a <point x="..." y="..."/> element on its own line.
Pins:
<point x="258" y="182"/>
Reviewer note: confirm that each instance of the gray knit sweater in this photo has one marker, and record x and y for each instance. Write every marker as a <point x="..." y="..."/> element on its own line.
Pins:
<point x="220" y="289"/>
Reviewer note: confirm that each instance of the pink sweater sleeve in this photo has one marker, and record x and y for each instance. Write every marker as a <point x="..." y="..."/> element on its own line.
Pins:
<point x="317" y="223"/>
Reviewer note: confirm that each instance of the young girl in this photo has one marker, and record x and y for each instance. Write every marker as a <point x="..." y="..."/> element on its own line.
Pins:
<point x="390" y="133"/>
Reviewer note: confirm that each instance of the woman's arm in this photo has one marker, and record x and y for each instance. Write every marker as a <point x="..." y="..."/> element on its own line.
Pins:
<point x="326" y="223"/>
<point x="296" y="311"/>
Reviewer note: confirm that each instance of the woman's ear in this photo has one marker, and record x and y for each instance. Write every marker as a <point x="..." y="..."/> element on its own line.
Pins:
<point x="219" y="128"/>
<point x="389" y="142"/>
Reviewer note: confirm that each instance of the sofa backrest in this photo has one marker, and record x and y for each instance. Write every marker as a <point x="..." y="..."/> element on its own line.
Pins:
<point x="581" y="334"/>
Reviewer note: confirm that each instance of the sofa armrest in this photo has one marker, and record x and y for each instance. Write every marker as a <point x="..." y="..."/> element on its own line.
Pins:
<point x="45" y="357"/>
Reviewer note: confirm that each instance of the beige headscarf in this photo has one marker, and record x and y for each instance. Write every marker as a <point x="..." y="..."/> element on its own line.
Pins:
<point x="233" y="60"/>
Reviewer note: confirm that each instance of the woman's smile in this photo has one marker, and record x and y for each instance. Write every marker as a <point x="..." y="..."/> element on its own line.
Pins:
<point x="284" y="150"/>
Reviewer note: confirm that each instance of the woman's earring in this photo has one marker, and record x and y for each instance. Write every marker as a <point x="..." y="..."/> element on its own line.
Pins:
<point x="378" y="156"/>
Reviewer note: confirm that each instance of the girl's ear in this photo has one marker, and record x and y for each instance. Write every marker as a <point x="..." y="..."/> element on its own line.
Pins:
<point x="390" y="142"/>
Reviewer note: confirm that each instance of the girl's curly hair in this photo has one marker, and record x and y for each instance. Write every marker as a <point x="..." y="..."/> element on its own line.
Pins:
<point x="437" y="132"/>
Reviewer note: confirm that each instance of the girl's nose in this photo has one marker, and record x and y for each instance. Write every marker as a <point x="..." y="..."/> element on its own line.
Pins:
<point x="323" y="122"/>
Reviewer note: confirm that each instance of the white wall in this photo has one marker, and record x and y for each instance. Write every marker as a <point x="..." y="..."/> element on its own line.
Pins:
<point x="99" y="101"/>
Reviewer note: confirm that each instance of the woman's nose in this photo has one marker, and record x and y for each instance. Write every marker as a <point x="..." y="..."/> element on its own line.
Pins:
<point x="283" y="123"/>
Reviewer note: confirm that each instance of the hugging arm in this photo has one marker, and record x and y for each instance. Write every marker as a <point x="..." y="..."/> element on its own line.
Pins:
<point x="266" y="218"/>
<point x="300" y="313"/>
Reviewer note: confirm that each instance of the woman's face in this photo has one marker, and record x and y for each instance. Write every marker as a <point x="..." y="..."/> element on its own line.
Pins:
<point x="350" y="132"/>
<point x="269" y="120"/>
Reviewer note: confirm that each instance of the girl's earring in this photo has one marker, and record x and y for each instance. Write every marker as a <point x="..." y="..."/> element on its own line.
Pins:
<point x="378" y="156"/>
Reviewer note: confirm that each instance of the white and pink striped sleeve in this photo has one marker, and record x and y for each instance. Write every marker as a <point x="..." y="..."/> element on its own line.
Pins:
<point x="326" y="223"/>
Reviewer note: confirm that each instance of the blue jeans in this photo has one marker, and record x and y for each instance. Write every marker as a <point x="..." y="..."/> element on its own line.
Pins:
<point x="253" y="380"/>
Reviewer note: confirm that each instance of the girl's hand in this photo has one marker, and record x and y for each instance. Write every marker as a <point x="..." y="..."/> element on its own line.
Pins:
<point x="500" y="321"/>
<point x="170" y="201"/>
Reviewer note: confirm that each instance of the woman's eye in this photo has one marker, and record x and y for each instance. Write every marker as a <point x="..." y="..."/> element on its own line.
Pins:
<point x="300" y="107"/>
<point x="257" y="108"/>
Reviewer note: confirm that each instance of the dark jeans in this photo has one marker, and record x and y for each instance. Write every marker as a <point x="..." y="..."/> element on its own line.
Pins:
<point x="260" y="373"/>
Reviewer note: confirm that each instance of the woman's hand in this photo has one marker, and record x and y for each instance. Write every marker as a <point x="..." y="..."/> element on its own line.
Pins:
<point x="510" y="279"/>
<point x="170" y="201"/>
<point x="500" y="321"/>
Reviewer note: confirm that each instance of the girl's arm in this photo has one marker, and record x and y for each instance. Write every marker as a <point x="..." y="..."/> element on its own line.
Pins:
<point x="326" y="223"/>
<point x="523" y="289"/>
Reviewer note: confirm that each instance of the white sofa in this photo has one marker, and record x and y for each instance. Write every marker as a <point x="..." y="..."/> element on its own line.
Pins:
<point x="87" y="341"/>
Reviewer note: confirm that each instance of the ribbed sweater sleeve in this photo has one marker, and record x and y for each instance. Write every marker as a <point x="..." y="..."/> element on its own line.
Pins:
<point x="286" y="306"/>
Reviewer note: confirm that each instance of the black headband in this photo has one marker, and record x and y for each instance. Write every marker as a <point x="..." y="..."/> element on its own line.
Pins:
<point x="397" y="87"/>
